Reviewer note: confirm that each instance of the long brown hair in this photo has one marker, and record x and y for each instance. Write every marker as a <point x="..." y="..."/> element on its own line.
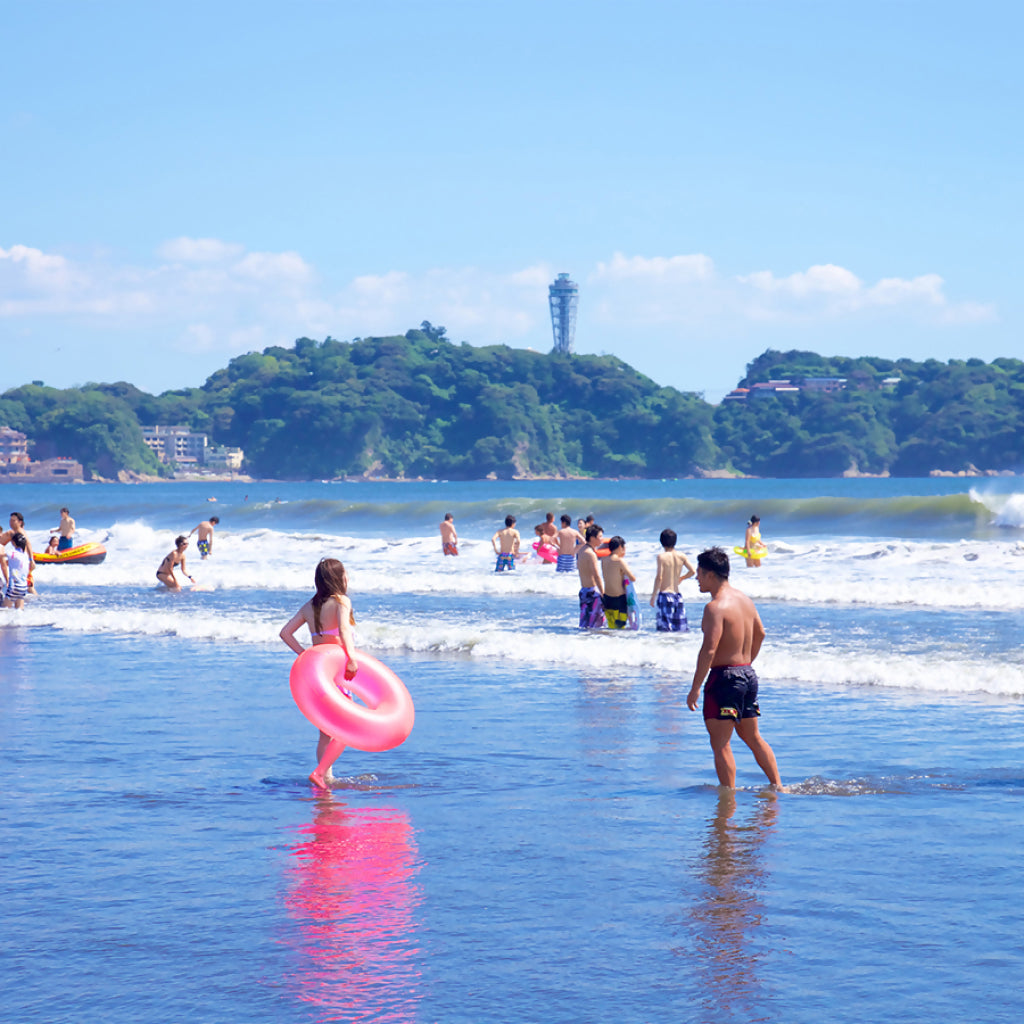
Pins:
<point x="330" y="580"/>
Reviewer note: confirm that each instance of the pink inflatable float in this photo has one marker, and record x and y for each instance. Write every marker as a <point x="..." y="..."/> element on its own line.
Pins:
<point x="383" y="722"/>
<point x="546" y="551"/>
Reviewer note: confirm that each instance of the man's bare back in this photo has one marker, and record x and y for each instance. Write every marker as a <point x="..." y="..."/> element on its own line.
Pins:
<point x="587" y="563"/>
<point x="568" y="538"/>
<point x="670" y="572"/>
<point x="616" y="571"/>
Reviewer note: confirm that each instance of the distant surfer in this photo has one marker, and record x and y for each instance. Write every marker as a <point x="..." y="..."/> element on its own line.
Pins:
<point x="328" y="614"/>
<point x="733" y="634"/>
<point x="175" y="558"/>
<point x="205" y="529"/>
<point x="591" y="584"/>
<point x="568" y="540"/>
<point x="66" y="531"/>
<point x="754" y="549"/>
<point x="506" y="545"/>
<point x="671" y="611"/>
<point x="449" y="539"/>
<point x="616" y="572"/>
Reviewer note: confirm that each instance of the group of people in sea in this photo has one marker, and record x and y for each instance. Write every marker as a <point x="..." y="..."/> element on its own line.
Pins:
<point x="18" y="565"/>
<point x="731" y="626"/>
<point x="732" y="637"/>
<point x="605" y="576"/>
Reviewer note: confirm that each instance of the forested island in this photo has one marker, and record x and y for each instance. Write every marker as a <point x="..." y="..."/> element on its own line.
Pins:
<point x="418" y="405"/>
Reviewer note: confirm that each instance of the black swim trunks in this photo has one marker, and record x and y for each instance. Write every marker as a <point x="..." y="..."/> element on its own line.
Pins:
<point x="731" y="693"/>
<point x="615" y="610"/>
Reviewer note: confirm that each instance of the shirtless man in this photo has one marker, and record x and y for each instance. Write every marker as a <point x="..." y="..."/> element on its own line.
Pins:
<point x="17" y="525"/>
<point x="506" y="545"/>
<point x="165" y="574"/>
<point x="591" y="584"/>
<point x="732" y="639"/>
<point x="205" y="529"/>
<point x="567" y="540"/>
<point x="547" y="530"/>
<point x="671" y="617"/>
<point x="615" y="572"/>
<point x="449" y="540"/>
<point x="66" y="531"/>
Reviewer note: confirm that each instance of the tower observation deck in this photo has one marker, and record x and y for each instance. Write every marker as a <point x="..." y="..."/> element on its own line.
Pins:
<point x="564" y="296"/>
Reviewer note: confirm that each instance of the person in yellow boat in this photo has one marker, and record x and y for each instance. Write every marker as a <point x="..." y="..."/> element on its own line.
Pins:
<point x="754" y="548"/>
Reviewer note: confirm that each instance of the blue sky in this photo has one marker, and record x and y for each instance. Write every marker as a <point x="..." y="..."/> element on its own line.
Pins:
<point x="184" y="183"/>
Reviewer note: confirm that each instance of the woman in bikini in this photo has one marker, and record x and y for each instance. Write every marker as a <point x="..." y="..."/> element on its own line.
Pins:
<point x="165" y="574"/>
<point x="328" y="615"/>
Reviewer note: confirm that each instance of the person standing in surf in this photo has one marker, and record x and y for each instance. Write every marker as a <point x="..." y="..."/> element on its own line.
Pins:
<point x="328" y="615"/>
<point x="753" y="547"/>
<point x="449" y="538"/>
<point x="671" y="614"/>
<point x="591" y="584"/>
<point x="733" y="634"/>
<point x="506" y="545"/>
<point x="205" y="529"/>
<point x="568" y="541"/>
<point x="616" y="571"/>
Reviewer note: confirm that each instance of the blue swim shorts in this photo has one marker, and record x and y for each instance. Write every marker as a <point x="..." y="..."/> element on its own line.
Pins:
<point x="671" y="613"/>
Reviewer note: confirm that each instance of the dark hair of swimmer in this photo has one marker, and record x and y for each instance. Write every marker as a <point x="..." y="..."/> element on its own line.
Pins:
<point x="668" y="538"/>
<point x="214" y="519"/>
<point x="19" y="540"/>
<point x="754" y="519"/>
<point x="180" y="541"/>
<point x="19" y="517"/>
<point x="593" y="531"/>
<point x="510" y="520"/>
<point x="714" y="560"/>
<point x="448" y="517"/>
<point x="615" y="543"/>
<point x="330" y="580"/>
<point x="566" y="520"/>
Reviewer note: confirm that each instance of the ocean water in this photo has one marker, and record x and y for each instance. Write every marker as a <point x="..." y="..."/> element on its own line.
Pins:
<point x="549" y="844"/>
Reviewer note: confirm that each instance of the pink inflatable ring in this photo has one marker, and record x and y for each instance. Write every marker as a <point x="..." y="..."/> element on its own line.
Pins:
<point x="383" y="722"/>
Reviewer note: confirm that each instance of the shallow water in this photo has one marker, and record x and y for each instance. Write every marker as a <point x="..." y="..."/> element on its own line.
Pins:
<point x="548" y="844"/>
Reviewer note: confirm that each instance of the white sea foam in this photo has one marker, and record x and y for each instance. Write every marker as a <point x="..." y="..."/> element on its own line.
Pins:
<point x="964" y="574"/>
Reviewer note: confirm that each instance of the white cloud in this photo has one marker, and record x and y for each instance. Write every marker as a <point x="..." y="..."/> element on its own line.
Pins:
<point x="199" y="250"/>
<point x="667" y="269"/>
<point x="824" y="280"/>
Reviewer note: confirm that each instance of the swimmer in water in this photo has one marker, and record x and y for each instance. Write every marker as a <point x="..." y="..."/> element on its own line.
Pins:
<point x="328" y="615"/>
<point x="165" y="574"/>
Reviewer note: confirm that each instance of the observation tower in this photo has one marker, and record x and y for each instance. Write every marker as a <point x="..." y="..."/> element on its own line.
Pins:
<point x="564" y="296"/>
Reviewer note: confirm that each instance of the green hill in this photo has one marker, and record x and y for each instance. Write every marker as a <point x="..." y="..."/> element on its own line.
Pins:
<point x="418" y="405"/>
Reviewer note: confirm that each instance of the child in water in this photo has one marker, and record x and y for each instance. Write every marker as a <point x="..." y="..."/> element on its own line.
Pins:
<point x="328" y="614"/>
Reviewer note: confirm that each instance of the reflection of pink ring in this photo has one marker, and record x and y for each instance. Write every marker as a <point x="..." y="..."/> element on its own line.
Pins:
<point x="382" y="723"/>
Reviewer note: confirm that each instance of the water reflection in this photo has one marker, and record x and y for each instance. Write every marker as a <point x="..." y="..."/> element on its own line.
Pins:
<point x="352" y="896"/>
<point x="725" y="919"/>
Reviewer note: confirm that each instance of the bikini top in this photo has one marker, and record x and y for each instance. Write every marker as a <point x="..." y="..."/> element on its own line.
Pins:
<point x="327" y="632"/>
